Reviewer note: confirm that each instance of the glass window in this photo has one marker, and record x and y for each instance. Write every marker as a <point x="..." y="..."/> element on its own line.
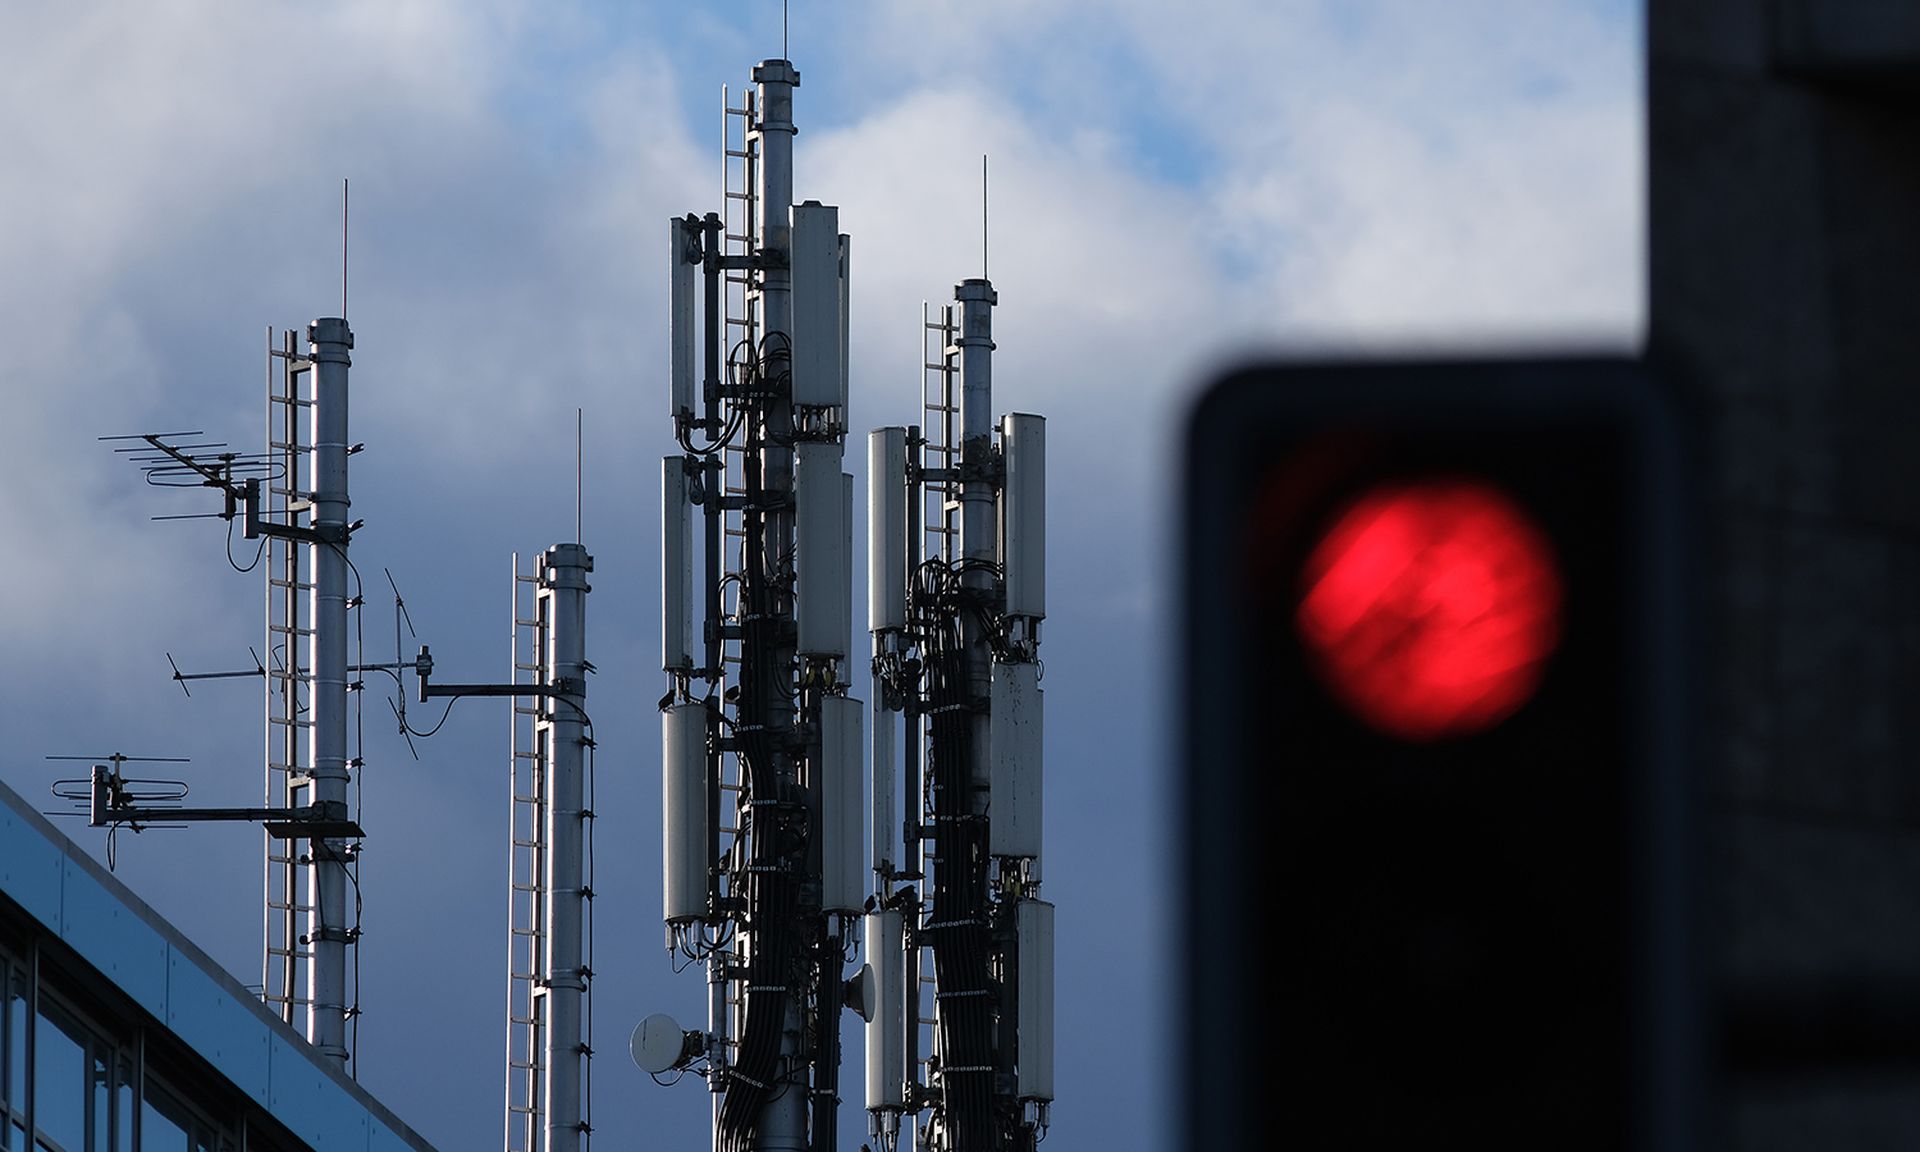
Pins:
<point x="169" y="1124"/>
<point x="100" y="1087"/>
<point x="78" y="1072"/>
<point x="13" y="1053"/>
<point x="60" y="1079"/>
<point x="161" y="1128"/>
<point x="123" y="1113"/>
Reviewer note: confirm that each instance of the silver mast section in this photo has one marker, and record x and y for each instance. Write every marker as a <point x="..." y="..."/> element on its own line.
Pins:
<point x="781" y="1125"/>
<point x="549" y="1091"/>
<point x="979" y="545"/>
<point x="563" y="573"/>
<point x="330" y="342"/>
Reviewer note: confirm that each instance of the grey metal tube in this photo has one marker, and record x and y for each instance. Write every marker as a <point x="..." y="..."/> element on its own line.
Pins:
<point x="330" y="341"/>
<point x="564" y="573"/>
<point x="783" y="1118"/>
<point x="979" y="532"/>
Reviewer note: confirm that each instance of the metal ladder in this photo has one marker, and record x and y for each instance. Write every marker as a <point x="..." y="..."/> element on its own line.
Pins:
<point x="289" y="782"/>
<point x="740" y="173"/>
<point x="526" y="868"/>
<point x="740" y="326"/>
<point x="939" y="400"/>
<point x="940" y="526"/>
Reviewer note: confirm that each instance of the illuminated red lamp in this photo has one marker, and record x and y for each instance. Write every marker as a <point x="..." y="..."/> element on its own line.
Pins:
<point x="1430" y="608"/>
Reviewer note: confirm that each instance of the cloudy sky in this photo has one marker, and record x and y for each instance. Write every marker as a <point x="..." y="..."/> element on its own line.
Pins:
<point x="1174" y="187"/>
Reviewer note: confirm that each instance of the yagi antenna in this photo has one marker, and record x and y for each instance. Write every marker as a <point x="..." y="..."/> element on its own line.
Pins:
<point x="95" y="795"/>
<point x="177" y="460"/>
<point x="400" y="668"/>
<point x="112" y="799"/>
<point x="181" y="678"/>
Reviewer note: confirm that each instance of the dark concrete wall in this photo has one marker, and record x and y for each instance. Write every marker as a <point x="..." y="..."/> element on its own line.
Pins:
<point x="1784" y="163"/>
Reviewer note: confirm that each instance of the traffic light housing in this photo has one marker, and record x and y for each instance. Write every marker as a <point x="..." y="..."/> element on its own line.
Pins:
<point x="1437" y="818"/>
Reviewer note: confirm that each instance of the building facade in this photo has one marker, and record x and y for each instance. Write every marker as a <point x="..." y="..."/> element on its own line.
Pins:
<point x="121" y="1036"/>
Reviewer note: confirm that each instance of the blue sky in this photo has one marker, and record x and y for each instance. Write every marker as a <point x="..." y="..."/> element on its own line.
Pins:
<point x="1171" y="190"/>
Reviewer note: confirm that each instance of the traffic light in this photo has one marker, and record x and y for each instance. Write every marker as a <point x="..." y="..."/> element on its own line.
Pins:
<point x="1435" y="764"/>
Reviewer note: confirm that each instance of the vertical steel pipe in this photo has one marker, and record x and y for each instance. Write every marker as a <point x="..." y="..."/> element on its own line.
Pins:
<point x="563" y="576"/>
<point x="782" y="1123"/>
<point x="979" y="530"/>
<point x="330" y="342"/>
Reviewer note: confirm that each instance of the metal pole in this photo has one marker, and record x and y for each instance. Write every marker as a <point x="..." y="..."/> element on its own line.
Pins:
<point x="330" y="341"/>
<point x="563" y="577"/>
<point x="783" y="1118"/>
<point x="913" y="810"/>
<point x="978" y="529"/>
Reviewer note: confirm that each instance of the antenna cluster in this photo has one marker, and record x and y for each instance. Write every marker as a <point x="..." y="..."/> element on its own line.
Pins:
<point x="762" y="742"/>
<point x="777" y="869"/>
<point x="959" y="940"/>
<point x="293" y="498"/>
<point x="767" y="882"/>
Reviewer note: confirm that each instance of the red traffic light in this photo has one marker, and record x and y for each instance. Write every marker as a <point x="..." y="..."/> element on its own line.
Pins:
<point x="1430" y="607"/>
<point x="1436" y="720"/>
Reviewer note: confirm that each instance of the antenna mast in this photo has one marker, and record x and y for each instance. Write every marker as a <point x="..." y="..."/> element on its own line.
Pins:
<point x="956" y="516"/>
<point x="550" y="880"/>
<point x="762" y="744"/>
<point x="323" y="538"/>
<point x="295" y="496"/>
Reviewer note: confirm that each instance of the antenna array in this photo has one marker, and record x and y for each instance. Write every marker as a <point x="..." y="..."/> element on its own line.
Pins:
<point x="762" y="743"/>
<point x="764" y="879"/>
<point x="295" y="497"/>
<point x="958" y="938"/>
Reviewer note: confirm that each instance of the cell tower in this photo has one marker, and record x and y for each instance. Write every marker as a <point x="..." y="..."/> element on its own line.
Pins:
<point x="958" y="939"/>
<point x="762" y="745"/>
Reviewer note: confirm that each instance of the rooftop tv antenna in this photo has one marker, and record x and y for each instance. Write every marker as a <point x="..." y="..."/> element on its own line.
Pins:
<point x="293" y="498"/>
<point x="82" y="794"/>
<point x="113" y="799"/>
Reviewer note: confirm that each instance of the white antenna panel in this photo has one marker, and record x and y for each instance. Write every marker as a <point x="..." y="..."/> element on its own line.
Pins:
<point x="1013" y="820"/>
<point x="887" y="529"/>
<point x="817" y="299"/>
<point x="886" y="826"/>
<point x="842" y="841"/>
<point x="846" y="311"/>
<point x="681" y="330"/>
<point x="844" y="625"/>
<point x="1034" y="1074"/>
<point x="1023" y="514"/>
<point x="887" y="1019"/>
<point x="684" y="794"/>
<point x="676" y="568"/>
<point x="821" y="552"/>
